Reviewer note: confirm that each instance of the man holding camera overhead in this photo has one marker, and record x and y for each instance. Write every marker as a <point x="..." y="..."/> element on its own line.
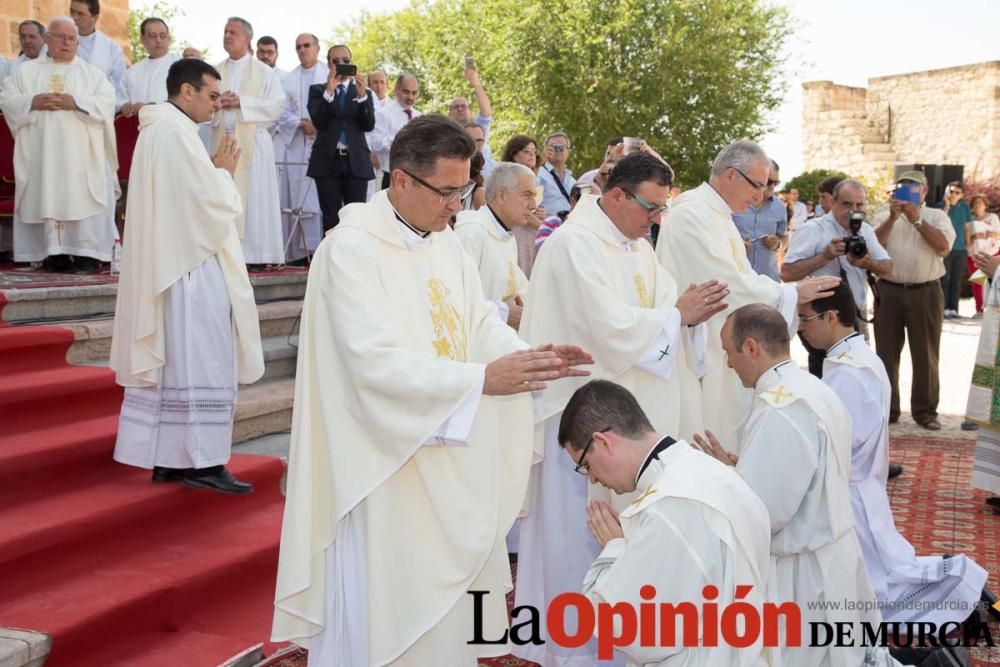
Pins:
<point x="830" y="247"/>
<point x="912" y="305"/>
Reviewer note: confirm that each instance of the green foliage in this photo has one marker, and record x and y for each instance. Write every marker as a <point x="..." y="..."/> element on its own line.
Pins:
<point x="159" y="9"/>
<point x="689" y="76"/>
<point x="808" y="182"/>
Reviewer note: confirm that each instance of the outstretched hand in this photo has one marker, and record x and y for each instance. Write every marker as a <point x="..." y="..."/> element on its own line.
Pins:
<point x="816" y="287"/>
<point x="714" y="448"/>
<point x="700" y="302"/>
<point x="571" y="357"/>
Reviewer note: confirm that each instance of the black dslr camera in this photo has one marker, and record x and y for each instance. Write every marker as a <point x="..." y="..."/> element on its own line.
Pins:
<point x="855" y="245"/>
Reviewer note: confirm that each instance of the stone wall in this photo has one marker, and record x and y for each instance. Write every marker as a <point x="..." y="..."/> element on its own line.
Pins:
<point x="947" y="116"/>
<point x="112" y="22"/>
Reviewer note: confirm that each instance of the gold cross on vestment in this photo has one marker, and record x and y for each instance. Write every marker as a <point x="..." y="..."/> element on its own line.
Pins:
<point x="779" y="393"/>
<point x="648" y="492"/>
<point x="843" y="355"/>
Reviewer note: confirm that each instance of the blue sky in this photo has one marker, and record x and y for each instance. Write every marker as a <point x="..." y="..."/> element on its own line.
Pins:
<point x="846" y="41"/>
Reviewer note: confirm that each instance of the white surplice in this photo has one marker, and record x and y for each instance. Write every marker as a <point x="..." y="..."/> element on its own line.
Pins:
<point x="594" y="287"/>
<point x="701" y="243"/>
<point x="375" y="184"/>
<point x="262" y="101"/>
<point x="909" y="588"/>
<point x="146" y="81"/>
<point x="494" y="251"/>
<point x="795" y="453"/>
<point x="104" y="53"/>
<point x="185" y="328"/>
<point x="701" y="518"/>
<point x="64" y="162"/>
<point x="292" y="148"/>
<point x="395" y="450"/>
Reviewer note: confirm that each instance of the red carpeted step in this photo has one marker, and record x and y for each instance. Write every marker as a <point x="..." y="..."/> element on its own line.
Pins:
<point x="211" y="561"/>
<point x="33" y="348"/>
<point x="61" y="454"/>
<point x="33" y="399"/>
<point x="166" y="649"/>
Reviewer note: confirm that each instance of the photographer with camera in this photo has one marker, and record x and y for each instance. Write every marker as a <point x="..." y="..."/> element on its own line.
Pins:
<point x="840" y="243"/>
<point x="912" y="307"/>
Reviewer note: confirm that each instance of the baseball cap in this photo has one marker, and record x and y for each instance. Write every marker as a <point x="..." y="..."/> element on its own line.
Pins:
<point x="915" y="176"/>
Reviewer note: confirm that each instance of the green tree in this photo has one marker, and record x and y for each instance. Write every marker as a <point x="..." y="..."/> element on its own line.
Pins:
<point x="689" y="76"/>
<point x="807" y="182"/>
<point x="159" y="9"/>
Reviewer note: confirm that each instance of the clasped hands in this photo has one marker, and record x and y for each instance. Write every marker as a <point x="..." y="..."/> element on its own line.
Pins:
<point x="54" y="102"/>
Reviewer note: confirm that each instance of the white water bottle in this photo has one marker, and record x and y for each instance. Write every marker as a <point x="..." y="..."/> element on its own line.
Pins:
<point x="116" y="258"/>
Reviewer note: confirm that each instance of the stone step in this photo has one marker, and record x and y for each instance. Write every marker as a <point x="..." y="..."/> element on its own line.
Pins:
<point x="263" y="408"/>
<point x="54" y="305"/>
<point x="278" y="319"/>
<point x="23" y="648"/>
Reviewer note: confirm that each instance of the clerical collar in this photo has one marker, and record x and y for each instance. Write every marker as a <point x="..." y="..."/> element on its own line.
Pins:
<point x="722" y="200"/>
<point x="183" y="112"/>
<point x="842" y="341"/>
<point x="421" y="234"/>
<point x="497" y="219"/>
<point x="664" y="442"/>
<point x="623" y="240"/>
<point x="775" y="367"/>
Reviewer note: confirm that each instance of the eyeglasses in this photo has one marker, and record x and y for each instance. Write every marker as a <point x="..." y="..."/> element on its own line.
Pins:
<point x="558" y="148"/>
<point x="652" y="212"/>
<point x="64" y="38"/>
<point x="772" y="183"/>
<point x="299" y="47"/>
<point x="581" y="467"/>
<point x="803" y="320"/>
<point x="447" y="196"/>
<point x="756" y="186"/>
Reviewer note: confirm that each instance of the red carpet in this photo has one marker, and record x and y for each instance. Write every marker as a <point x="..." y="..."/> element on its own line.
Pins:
<point x="117" y="570"/>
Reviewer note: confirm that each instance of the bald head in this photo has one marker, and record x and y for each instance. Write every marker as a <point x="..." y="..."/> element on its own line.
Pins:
<point x="307" y="49"/>
<point x="407" y="89"/>
<point x="755" y="337"/>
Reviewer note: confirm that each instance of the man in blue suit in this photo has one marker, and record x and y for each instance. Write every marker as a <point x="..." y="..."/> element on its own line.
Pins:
<point x="342" y="111"/>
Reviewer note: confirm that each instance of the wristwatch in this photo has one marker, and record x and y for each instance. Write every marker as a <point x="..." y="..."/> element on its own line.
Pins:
<point x="919" y="222"/>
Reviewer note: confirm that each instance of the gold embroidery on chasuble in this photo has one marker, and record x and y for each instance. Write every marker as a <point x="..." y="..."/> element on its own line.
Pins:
<point x="57" y="84"/>
<point x="739" y="252"/>
<point x="450" y="339"/>
<point x="511" y="281"/>
<point x="645" y="300"/>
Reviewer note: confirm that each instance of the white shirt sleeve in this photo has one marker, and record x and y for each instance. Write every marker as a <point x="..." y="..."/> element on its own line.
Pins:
<point x="804" y="241"/>
<point x="658" y="359"/>
<point x="697" y="344"/>
<point x="457" y="428"/>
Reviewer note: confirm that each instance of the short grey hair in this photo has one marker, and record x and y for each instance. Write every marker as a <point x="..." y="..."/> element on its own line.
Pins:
<point x="764" y="324"/>
<point x="64" y="19"/>
<point x="743" y="155"/>
<point x="848" y="183"/>
<point x="243" y="22"/>
<point x="504" y="177"/>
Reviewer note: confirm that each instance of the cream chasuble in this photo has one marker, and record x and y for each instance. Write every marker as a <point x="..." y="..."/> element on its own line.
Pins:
<point x="983" y="406"/>
<point x="182" y="212"/>
<point x="62" y="159"/>
<point x="494" y="252"/>
<point x="699" y="516"/>
<point x="795" y="453"/>
<point x="146" y="81"/>
<point x="262" y="100"/>
<point x="909" y="588"/>
<point x="592" y="286"/>
<point x="384" y="532"/>
<point x="701" y="243"/>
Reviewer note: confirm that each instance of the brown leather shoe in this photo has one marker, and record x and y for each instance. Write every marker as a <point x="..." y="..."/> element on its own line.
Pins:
<point x="931" y="424"/>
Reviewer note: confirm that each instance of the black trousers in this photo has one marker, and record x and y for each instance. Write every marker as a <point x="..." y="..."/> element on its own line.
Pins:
<point x="951" y="282"/>
<point x="338" y="190"/>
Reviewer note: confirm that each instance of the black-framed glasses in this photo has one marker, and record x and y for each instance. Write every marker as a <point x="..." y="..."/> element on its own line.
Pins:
<point x="447" y="196"/>
<point x="756" y="186"/>
<point x="771" y="183"/>
<point x="652" y="212"/>
<point x="580" y="467"/>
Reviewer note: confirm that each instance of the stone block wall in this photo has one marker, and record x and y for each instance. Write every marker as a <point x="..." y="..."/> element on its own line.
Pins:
<point x="947" y="116"/>
<point x="112" y="22"/>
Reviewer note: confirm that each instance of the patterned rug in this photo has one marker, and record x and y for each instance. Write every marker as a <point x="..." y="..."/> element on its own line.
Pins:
<point x="934" y="507"/>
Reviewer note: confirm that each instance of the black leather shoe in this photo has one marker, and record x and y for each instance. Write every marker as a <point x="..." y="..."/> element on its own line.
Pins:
<point x="895" y="470"/>
<point x="216" y="479"/>
<point x="161" y="475"/>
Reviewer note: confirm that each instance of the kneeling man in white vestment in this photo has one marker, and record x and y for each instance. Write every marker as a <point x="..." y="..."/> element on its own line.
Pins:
<point x="186" y="328"/>
<point x="488" y="238"/>
<point x="795" y="453"/>
<point x="596" y="283"/>
<point x="697" y="524"/>
<point x="909" y="588"/>
<point x="61" y="113"/>
<point x="411" y="435"/>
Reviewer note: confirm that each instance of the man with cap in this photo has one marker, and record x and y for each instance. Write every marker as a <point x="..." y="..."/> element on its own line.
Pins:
<point x="917" y="237"/>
